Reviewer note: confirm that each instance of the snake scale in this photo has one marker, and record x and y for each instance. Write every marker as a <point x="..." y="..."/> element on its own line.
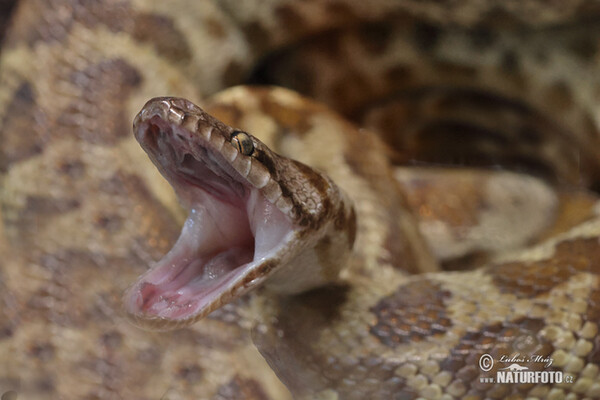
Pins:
<point x="445" y="211"/>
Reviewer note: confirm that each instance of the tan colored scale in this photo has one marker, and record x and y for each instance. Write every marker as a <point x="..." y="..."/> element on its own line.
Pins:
<point x="84" y="212"/>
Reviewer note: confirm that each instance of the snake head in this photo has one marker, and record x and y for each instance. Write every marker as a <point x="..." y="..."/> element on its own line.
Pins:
<point x="254" y="217"/>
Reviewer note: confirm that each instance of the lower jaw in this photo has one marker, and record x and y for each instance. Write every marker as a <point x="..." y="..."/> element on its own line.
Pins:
<point x="216" y="250"/>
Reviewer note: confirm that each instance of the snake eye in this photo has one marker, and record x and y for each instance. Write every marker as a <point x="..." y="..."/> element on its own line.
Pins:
<point x="241" y="140"/>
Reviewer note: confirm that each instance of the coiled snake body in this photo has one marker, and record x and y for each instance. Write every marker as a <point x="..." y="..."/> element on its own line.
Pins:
<point x="318" y="243"/>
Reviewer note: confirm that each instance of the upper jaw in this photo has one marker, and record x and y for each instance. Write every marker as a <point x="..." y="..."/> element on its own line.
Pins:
<point x="235" y="232"/>
<point x="189" y="160"/>
<point x="196" y="126"/>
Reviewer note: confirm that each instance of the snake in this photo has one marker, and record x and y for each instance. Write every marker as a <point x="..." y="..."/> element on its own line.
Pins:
<point x="319" y="200"/>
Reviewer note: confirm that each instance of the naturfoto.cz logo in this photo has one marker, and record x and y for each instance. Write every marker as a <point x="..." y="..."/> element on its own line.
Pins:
<point x="514" y="372"/>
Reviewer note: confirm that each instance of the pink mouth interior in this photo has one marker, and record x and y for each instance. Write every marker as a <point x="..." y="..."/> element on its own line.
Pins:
<point x="230" y="230"/>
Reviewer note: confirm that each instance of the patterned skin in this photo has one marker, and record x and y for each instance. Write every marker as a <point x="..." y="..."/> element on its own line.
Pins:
<point x="421" y="335"/>
<point x="84" y="212"/>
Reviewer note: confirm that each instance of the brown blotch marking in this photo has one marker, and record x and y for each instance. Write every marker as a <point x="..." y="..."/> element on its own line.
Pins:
<point x="375" y="38"/>
<point x="23" y="131"/>
<point x="426" y="36"/>
<point x="482" y="38"/>
<point x="399" y="75"/>
<point x="467" y="262"/>
<point x="116" y="16"/>
<point x="160" y="32"/>
<point x="109" y="222"/>
<point x="9" y="310"/>
<point x="45" y="385"/>
<point x="541" y="56"/>
<point x="530" y="134"/>
<point x="105" y="89"/>
<point x="453" y="70"/>
<point x="584" y="46"/>
<point x="530" y="279"/>
<point x="501" y="17"/>
<point x="44" y="351"/>
<point x="330" y="45"/>
<point x="257" y="37"/>
<point x="48" y="206"/>
<point x="387" y="121"/>
<point x="234" y="73"/>
<point x="413" y="313"/>
<point x="111" y="340"/>
<point x="240" y="388"/>
<point x="520" y="336"/>
<point x="289" y="19"/>
<point x="106" y="372"/>
<point x="41" y="211"/>
<point x="350" y="90"/>
<point x="509" y="62"/>
<point x="340" y="10"/>
<point x="190" y="373"/>
<point x="149" y="355"/>
<point x="559" y="95"/>
<point x="588" y="8"/>
<point x="340" y="220"/>
<point x="74" y="169"/>
<point x="214" y="28"/>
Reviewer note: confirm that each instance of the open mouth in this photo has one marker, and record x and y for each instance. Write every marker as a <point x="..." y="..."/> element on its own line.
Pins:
<point x="232" y="231"/>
